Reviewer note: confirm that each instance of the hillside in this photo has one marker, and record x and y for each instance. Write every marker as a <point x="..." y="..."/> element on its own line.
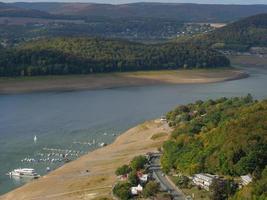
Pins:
<point x="94" y="55"/>
<point x="226" y="137"/>
<point x="7" y="10"/>
<point x="240" y="35"/>
<point x="141" y="22"/>
<point x="182" y="12"/>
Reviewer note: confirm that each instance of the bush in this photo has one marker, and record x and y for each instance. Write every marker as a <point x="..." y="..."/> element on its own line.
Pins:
<point x="260" y="187"/>
<point x="122" y="190"/>
<point x="151" y="189"/>
<point x="123" y="170"/>
<point x="223" y="189"/>
<point x="133" y="179"/>
<point x="138" y="163"/>
<point x="181" y="181"/>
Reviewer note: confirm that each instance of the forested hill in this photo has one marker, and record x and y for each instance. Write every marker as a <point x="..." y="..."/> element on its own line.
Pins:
<point x="240" y="35"/>
<point x="95" y="55"/>
<point x="224" y="137"/>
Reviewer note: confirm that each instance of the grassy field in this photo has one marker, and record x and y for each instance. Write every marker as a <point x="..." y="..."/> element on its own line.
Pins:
<point x="159" y="135"/>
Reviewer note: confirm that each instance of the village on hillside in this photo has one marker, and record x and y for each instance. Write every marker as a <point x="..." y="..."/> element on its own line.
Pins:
<point x="143" y="177"/>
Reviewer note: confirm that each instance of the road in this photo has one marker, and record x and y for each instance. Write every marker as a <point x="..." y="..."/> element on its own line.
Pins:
<point x="159" y="176"/>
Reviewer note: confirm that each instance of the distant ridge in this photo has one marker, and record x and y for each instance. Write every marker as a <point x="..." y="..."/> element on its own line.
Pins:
<point x="180" y="11"/>
<point x="10" y="10"/>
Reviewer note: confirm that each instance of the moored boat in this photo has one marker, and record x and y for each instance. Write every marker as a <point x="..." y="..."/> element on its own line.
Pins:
<point x="24" y="172"/>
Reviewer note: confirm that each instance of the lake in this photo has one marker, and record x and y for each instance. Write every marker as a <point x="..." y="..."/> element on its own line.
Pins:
<point x="73" y="123"/>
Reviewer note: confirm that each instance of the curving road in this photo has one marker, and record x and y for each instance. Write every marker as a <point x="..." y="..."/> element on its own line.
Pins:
<point x="160" y="177"/>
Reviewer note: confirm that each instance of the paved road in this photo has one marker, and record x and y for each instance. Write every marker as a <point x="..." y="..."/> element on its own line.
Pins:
<point x="163" y="181"/>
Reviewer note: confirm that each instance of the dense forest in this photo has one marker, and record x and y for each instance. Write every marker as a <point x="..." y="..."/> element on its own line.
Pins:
<point x="95" y="55"/>
<point x="240" y="35"/>
<point x="225" y="137"/>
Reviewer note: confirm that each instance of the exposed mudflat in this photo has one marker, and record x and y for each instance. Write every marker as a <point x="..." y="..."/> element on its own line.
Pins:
<point x="113" y="80"/>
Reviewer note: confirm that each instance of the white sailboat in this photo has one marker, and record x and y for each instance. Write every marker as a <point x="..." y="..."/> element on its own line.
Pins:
<point x="35" y="139"/>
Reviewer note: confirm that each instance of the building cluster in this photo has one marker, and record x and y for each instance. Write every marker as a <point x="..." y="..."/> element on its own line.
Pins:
<point x="143" y="179"/>
<point x="195" y="28"/>
<point x="205" y="180"/>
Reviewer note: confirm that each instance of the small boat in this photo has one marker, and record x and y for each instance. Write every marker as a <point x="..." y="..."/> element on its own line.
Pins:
<point x="24" y="172"/>
<point x="35" y="139"/>
<point x="102" y="144"/>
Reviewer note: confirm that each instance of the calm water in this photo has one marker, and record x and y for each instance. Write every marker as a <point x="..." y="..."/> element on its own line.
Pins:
<point x="71" y="120"/>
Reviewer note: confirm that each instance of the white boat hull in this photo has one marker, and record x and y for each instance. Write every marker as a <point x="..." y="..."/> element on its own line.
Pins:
<point x="23" y="174"/>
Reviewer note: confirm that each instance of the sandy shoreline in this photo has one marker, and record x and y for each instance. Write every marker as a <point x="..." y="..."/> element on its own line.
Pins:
<point x="71" y="181"/>
<point x="114" y="80"/>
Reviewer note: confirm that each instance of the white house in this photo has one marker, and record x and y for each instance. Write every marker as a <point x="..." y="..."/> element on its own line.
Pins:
<point x="204" y="180"/>
<point x="163" y="118"/>
<point x="246" y="179"/>
<point x="136" y="190"/>
<point x="143" y="178"/>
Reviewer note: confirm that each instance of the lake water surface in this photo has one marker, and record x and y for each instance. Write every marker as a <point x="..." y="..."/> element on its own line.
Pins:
<point x="80" y="120"/>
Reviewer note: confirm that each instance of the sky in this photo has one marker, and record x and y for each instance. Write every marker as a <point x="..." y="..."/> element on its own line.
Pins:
<point x="164" y="1"/>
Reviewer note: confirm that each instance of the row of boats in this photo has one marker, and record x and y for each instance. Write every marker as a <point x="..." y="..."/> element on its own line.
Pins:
<point x="89" y="143"/>
<point x="66" y="151"/>
<point x="39" y="160"/>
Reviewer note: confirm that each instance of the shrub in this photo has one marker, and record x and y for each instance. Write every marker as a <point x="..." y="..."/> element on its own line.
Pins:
<point x="223" y="189"/>
<point x="123" y="170"/>
<point x="151" y="189"/>
<point x="138" y="163"/>
<point x="122" y="190"/>
<point x="133" y="179"/>
<point x="181" y="181"/>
